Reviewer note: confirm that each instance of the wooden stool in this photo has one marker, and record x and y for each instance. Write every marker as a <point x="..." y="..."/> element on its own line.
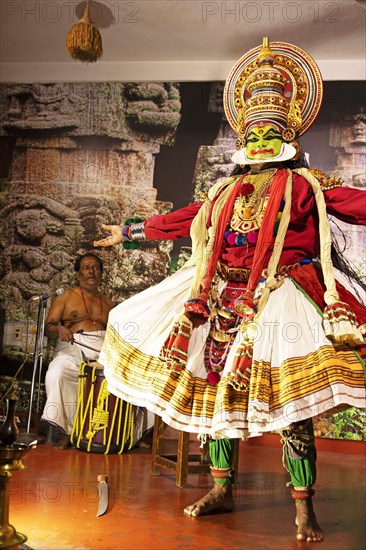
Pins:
<point x="181" y="463"/>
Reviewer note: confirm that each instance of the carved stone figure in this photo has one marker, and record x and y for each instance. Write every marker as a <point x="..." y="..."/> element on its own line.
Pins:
<point x="348" y="137"/>
<point x="214" y="161"/>
<point x="80" y="153"/>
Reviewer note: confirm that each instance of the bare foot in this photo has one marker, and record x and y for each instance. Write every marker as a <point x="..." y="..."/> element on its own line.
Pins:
<point x="143" y="445"/>
<point x="220" y="498"/>
<point x="62" y="442"/>
<point x="307" y="526"/>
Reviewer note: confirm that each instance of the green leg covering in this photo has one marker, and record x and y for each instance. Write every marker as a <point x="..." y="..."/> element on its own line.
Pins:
<point x="300" y="453"/>
<point x="303" y="471"/>
<point x="222" y="454"/>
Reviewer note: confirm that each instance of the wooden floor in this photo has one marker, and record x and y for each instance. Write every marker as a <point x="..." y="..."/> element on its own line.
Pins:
<point x="54" y="502"/>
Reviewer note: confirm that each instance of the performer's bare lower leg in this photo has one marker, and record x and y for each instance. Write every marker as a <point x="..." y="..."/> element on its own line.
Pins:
<point x="220" y="499"/>
<point x="307" y="525"/>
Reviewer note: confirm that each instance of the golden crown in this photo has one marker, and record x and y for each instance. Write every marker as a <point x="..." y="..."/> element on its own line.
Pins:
<point x="279" y="85"/>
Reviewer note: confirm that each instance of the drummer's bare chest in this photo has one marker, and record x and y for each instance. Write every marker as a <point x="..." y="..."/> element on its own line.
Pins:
<point x="90" y="307"/>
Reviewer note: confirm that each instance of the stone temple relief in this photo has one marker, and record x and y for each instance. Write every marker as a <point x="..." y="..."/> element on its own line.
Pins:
<point x="79" y="155"/>
<point x="348" y="137"/>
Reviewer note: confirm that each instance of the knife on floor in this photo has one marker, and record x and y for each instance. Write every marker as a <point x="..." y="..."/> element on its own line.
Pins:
<point x="102" y="494"/>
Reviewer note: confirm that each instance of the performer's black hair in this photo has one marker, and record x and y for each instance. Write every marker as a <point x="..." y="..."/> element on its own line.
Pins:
<point x="342" y="264"/>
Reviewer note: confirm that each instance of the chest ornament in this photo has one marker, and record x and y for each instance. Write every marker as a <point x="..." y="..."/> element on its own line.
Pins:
<point x="250" y="204"/>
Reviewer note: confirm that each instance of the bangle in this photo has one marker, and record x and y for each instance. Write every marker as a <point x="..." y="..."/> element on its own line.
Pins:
<point x="137" y="232"/>
<point x="133" y="232"/>
<point x="125" y="233"/>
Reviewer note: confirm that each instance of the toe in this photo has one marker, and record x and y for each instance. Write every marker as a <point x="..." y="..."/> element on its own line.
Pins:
<point x="192" y="510"/>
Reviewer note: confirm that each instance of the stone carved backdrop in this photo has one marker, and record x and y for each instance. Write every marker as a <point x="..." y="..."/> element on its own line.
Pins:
<point x="348" y="138"/>
<point x="214" y="161"/>
<point x="80" y="155"/>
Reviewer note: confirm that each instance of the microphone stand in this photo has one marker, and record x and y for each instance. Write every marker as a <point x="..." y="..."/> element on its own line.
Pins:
<point x="38" y="357"/>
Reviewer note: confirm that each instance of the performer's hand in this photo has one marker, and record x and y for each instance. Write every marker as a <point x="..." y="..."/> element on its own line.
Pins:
<point x="65" y="334"/>
<point x="113" y="239"/>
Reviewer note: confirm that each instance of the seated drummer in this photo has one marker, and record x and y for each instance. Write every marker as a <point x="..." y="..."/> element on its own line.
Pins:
<point x="78" y="320"/>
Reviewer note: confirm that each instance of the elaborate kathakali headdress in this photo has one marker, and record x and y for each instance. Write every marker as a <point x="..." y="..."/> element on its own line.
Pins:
<point x="277" y="84"/>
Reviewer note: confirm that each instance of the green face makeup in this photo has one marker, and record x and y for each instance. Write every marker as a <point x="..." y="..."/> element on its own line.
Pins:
<point x="263" y="142"/>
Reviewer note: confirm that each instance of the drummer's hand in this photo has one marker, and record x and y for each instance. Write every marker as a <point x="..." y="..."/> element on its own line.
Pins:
<point x="113" y="239"/>
<point x="65" y="334"/>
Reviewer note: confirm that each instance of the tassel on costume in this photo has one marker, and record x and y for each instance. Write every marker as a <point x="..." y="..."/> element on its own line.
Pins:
<point x="175" y="349"/>
<point x="242" y="364"/>
<point x="239" y="377"/>
<point x="309" y="279"/>
<point x="340" y="325"/>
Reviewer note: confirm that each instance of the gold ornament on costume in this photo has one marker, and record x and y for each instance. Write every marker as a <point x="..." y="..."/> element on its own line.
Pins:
<point x="84" y="42"/>
<point x="326" y="182"/>
<point x="249" y="209"/>
<point x="220" y="336"/>
<point x="288" y="134"/>
<point x="276" y="84"/>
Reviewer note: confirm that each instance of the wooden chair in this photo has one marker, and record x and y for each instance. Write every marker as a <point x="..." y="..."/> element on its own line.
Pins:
<point x="182" y="463"/>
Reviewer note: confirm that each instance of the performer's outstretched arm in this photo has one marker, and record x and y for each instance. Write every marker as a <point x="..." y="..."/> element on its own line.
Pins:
<point x="172" y="226"/>
<point x="116" y="236"/>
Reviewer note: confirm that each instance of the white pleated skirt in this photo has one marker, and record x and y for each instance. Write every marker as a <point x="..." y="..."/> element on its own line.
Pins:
<point x="296" y="372"/>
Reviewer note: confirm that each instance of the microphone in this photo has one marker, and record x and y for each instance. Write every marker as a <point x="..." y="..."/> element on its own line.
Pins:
<point x="46" y="295"/>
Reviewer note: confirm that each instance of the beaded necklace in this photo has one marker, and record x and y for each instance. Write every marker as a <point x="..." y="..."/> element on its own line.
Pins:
<point x="94" y="321"/>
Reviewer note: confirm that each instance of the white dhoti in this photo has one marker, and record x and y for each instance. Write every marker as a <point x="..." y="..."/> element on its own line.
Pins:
<point x="62" y="377"/>
<point x="62" y="384"/>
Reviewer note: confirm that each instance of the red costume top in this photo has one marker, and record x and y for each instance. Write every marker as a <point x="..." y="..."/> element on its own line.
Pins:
<point x="302" y="237"/>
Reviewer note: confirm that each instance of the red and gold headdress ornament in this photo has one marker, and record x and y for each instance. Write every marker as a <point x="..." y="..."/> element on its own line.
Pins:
<point x="274" y="84"/>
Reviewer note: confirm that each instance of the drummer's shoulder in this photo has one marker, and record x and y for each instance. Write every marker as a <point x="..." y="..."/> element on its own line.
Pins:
<point x="110" y="305"/>
<point x="70" y="293"/>
<point x="60" y="301"/>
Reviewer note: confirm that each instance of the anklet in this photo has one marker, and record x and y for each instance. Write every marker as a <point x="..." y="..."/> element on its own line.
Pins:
<point x="220" y="473"/>
<point x="302" y="494"/>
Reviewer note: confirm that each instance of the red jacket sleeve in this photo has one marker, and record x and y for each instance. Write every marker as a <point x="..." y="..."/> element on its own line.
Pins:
<point x="172" y="226"/>
<point x="347" y="204"/>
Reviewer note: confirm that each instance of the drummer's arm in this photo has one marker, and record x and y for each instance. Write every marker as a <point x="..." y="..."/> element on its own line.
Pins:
<point x="53" y="328"/>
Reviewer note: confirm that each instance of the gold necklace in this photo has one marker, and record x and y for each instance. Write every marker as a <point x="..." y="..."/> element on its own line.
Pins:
<point x="248" y="208"/>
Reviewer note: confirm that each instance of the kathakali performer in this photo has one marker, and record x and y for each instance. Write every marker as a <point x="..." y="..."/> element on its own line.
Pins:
<point x="261" y="330"/>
